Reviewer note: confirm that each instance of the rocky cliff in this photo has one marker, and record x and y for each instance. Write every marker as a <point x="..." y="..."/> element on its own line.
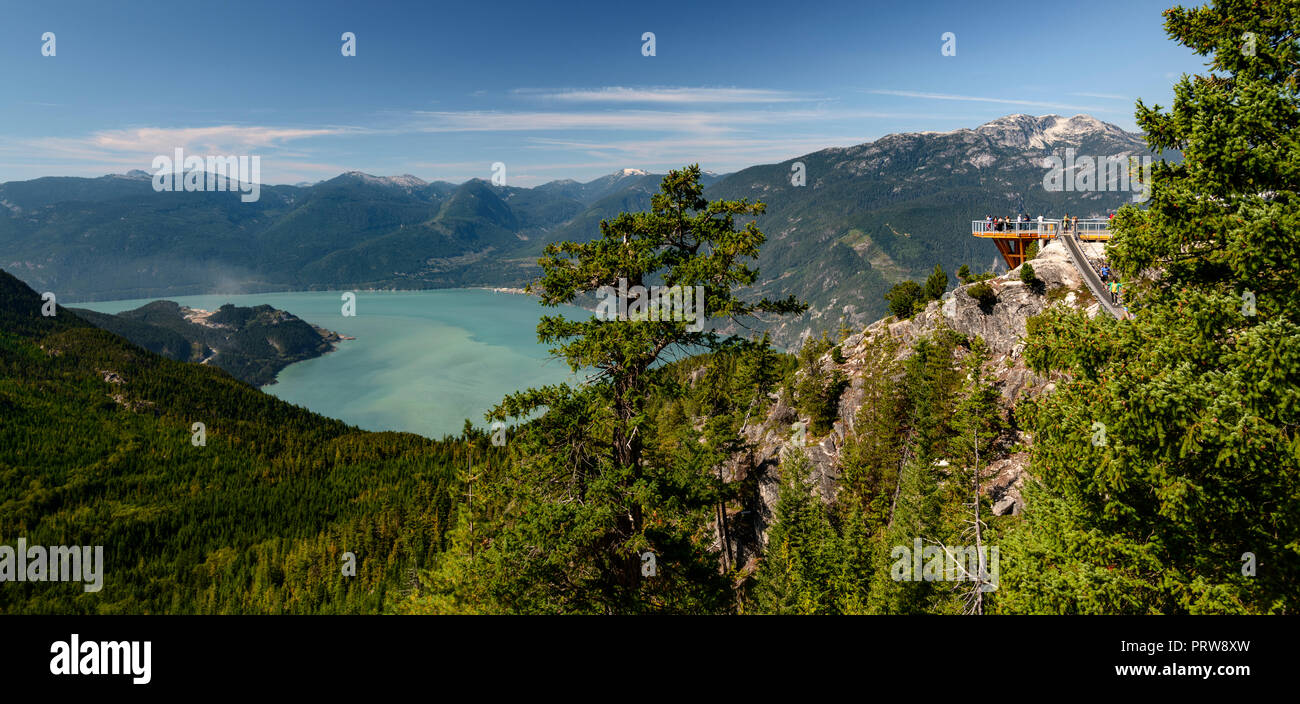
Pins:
<point x="1002" y="326"/>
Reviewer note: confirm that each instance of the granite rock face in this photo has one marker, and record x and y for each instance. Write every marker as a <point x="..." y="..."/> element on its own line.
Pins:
<point x="1001" y="325"/>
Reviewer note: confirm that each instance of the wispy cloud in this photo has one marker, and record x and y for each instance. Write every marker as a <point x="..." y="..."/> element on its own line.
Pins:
<point x="134" y="148"/>
<point x="987" y="99"/>
<point x="561" y="133"/>
<point x="649" y="120"/>
<point x="664" y="95"/>
<point x="219" y="139"/>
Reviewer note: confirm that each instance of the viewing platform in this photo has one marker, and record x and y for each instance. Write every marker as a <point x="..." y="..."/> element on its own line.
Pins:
<point x="1013" y="238"/>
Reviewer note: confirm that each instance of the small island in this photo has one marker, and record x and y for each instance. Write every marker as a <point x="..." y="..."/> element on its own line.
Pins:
<point x="251" y="344"/>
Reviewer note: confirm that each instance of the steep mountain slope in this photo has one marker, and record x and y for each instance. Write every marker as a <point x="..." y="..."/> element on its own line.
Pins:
<point x="876" y="213"/>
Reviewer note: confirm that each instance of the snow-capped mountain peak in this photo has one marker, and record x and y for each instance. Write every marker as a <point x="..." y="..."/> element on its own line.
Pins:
<point x="403" y="181"/>
<point x="1045" y="131"/>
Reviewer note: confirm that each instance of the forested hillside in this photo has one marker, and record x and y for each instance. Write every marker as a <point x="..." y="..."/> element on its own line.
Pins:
<point x="97" y="447"/>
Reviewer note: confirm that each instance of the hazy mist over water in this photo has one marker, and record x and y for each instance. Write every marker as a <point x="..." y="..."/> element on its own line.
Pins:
<point x="423" y="361"/>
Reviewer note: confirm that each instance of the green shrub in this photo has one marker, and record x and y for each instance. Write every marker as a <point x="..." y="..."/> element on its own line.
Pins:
<point x="818" y="397"/>
<point x="983" y="293"/>
<point x="936" y="284"/>
<point x="1027" y="275"/>
<point x="903" y="298"/>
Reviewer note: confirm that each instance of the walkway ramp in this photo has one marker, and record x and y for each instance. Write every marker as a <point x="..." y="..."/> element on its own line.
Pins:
<point x="1090" y="276"/>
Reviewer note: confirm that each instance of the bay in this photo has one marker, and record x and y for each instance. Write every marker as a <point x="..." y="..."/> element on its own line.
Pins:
<point x="422" y="361"/>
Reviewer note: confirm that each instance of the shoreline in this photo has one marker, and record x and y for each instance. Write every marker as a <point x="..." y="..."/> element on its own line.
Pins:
<point x="274" y="292"/>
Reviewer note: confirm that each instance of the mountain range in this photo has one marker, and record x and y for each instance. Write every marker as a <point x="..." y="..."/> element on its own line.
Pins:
<point x="866" y="217"/>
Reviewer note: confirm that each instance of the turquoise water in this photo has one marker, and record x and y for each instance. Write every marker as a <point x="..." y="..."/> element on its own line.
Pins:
<point x="423" y="361"/>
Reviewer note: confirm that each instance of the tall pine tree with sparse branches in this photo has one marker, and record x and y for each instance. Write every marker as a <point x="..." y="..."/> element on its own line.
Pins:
<point x="589" y="502"/>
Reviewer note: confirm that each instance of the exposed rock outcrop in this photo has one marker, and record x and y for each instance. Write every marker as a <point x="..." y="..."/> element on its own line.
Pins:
<point x="1001" y="325"/>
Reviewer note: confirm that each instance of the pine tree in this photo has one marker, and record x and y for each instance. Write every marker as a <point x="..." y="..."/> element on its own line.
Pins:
<point x="845" y="330"/>
<point x="1027" y="274"/>
<point x="592" y="495"/>
<point x="903" y="298"/>
<point x="936" y="284"/>
<point x="819" y="387"/>
<point x="869" y="463"/>
<point x="872" y="453"/>
<point x="804" y="554"/>
<point x="977" y="422"/>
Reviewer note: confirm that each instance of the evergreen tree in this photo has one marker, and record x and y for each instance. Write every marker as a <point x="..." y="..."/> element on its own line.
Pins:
<point x="845" y="331"/>
<point x="1027" y="274"/>
<point x="936" y="284"/>
<point x="977" y="423"/>
<point x="903" y="298"/>
<point x="929" y="387"/>
<point x="596" y="491"/>
<point x="818" y="390"/>
<point x="870" y="461"/>
<point x="872" y="453"/>
<point x="796" y="575"/>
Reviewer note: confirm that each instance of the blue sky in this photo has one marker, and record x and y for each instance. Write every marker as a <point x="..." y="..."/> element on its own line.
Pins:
<point x="552" y="89"/>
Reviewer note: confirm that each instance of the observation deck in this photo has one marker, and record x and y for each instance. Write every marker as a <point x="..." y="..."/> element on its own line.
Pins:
<point x="1013" y="238"/>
